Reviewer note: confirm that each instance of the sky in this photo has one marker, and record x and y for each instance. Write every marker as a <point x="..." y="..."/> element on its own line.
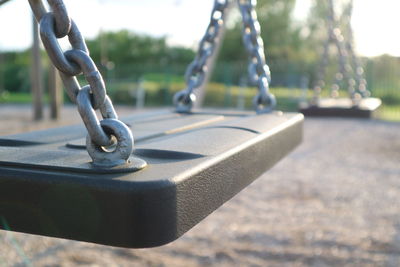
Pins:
<point x="184" y="21"/>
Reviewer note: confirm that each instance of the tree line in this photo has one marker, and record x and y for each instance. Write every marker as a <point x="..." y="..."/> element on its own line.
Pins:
<point x="292" y="48"/>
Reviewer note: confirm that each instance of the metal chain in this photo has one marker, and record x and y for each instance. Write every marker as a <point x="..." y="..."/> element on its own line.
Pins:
<point x="57" y="24"/>
<point x="259" y="71"/>
<point x="344" y="68"/>
<point x="358" y="69"/>
<point x="196" y="71"/>
<point x="335" y="35"/>
<point x="320" y="83"/>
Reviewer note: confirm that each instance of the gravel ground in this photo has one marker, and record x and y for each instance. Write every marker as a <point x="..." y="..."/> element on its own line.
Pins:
<point x="333" y="202"/>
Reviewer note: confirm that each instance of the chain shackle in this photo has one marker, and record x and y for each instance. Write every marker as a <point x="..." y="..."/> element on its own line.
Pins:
<point x="123" y="144"/>
<point x="101" y="134"/>
<point x="196" y="72"/>
<point x="259" y="72"/>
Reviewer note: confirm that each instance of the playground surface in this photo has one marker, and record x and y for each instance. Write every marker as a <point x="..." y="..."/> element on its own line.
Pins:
<point x="334" y="201"/>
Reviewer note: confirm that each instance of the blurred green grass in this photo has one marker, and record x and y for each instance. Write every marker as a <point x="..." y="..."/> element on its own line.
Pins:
<point x="15" y="98"/>
<point x="159" y="92"/>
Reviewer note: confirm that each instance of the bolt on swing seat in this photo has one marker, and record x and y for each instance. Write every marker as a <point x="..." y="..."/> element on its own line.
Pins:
<point x="185" y="165"/>
<point x="359" y="104"/>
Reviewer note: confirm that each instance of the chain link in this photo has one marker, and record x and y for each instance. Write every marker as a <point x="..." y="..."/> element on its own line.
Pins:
<point x="346" y="54"/>
<point x="344" y="68"/>
<point x="258" y="70"/>
<point x="358" y="69"/>
<point x="196" y="71"/>
<point x="321" y="73"/>
<point x="57" y="24"/>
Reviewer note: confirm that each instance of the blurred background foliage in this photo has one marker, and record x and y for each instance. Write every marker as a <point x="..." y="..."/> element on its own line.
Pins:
<point x="132" y="62"/>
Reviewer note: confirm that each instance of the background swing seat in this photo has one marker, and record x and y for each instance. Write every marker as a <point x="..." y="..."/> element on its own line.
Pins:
<point x="195" y="163"/>
<point x="341" y="107"/>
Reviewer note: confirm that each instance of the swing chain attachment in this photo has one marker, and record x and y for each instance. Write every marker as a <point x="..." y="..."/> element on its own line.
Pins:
<point x="260" y="76"/>
<point x="196" y="71"/>
<point x="110" y="132"/>
<point x="259" y="72"/>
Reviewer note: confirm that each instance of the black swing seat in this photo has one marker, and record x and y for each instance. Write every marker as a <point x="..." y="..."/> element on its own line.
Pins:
<point x="195" y="163"/>
<point x="341" y="107"/>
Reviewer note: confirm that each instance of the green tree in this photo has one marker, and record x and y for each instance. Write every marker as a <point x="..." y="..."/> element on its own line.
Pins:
<point x="285" y="43"/>
<point x="126" y="48"/>
<point x="15" y="71"/>
<point x="282" y="37"/>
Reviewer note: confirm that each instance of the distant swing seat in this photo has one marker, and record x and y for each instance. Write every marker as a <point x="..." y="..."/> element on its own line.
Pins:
<point x="359" y="104"/>
<point x="341" y="107"/>
<point x="195" y="163"/>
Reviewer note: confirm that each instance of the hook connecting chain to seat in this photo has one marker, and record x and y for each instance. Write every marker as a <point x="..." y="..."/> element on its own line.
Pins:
<point x="57" y="24"/>
<point x="259" y="71"/>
